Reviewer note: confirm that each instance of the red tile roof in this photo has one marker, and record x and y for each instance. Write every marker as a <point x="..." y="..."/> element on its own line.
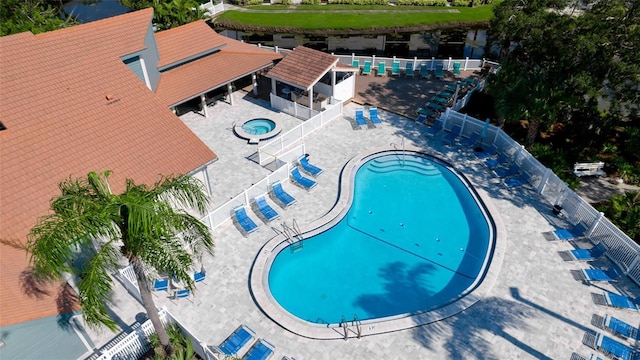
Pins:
<point x="303" y="67"/>
<point x="187" y="41"/>
<point x="233" y="61"/>
<point x="71" y="106"/>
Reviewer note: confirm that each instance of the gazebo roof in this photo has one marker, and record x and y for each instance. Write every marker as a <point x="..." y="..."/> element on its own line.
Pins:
<point x="303" y="67"/>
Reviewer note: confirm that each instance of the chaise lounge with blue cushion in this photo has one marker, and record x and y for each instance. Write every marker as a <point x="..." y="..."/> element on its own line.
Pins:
<point x="584" y="254"/>
<point x="244" y="220"/>
<point x="472" y="140"/>
<point x="360" y="120"/>
<point x="301" y="180"/>
<point x="366" y="68"/>
<point x="439" y="74"/>
<point x="236" y="341"/>
<point x="517" y="181"/>
<point x="452" y="136"/>
<point x="373" y="116"/>
<point x="618" y="301"/>
<point x="395" y="68"/>
<point x="434" y="129"/>
<point x="575" y="233"/>
<point x="283" y="197"/>
<point x="265" y="209"/>
<point x="593" y="275"/>
<point x="261" y="350"/>
<point x="615" y="349"/>
<point x="616" y="326"/>
<point x="308" y="167"/>
<point x="408" y="69"/>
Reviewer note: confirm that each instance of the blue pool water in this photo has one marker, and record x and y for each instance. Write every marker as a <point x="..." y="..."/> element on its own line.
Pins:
<point x="258" y="126"/>
<point x="413" y="240"/>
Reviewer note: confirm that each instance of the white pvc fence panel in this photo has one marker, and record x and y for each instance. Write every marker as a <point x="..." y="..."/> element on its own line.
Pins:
<point x="210" y="9"/>
<point x="291" y="107"/>
<point x="136" y="344"/>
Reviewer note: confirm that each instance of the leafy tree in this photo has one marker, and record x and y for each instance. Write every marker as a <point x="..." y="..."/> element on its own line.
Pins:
<point x="37" y="16"/>
<point x="168" y="14"/>
<point x="140" y="225"/>
<point x="624" y="212"/>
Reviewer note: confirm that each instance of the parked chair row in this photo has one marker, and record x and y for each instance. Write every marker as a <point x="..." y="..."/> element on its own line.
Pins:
<point x="361" y="121"/>
<point x="610" y="347"/>
<point x="241" y="339"/>
<point x="616" y="326"/>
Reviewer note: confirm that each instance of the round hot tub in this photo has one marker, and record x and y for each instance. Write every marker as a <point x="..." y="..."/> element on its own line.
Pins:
<point x="258" y="129"/>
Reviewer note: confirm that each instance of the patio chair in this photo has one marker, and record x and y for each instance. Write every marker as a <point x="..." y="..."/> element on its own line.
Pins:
<point x="613" y="348"/>
<point x="382" y="70"/>
<point x="434" y="106"/>
<point x="395" y="68"/>
<point x="440" y="100"/>
<point x="514" y="182"/>
<point x="584" y="254"/>
<point x="456" y="69"/>
<point x="283" y="197"/>
<point x="302" y="181"/>
<point x="265" y="209"/>
<point x="501" y="160"/>
<point x="422" y="118"/>
<point x="356" y="63"/>
<point x="360" y="120"/>
<point x="434" y="129"/>
<point x="408" y="69"/>
<point x="439" y="73"/>
<point x="424" y="71"/>
<point x="469" y="82"/>
<point x="261" y="350"/>
<point x="366" y="68"/>
<point x="490" y="151"/>
<point x="427" y="112"/>
<point x="616" y="301"/>
<point x="451" y="89"/>
<point x="502" y="173"/>
<point x="595" y="275"/>
<point x="308" y="167"/>
<point x="616" y="326"/>
<point x="575" y="233"/>
<point x="160" y="285"/>
<point x="373" y="116"/>
<point x="452" y="136"/>
<point x="472" y="140"/>
<point x="199" y="276"/>
<point x="236" y="341"/>
<point x="182" y="294"/>
<point x="244" y="220"/>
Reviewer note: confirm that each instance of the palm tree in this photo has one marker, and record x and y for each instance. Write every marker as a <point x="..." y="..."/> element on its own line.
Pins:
<point x="140" y="225"/>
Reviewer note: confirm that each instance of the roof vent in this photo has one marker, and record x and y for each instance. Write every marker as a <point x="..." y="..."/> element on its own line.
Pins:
<point x="2" y="127"/>
<point x="109" y="97"/>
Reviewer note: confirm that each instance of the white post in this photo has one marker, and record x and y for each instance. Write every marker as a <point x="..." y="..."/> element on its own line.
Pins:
<point x="455" y="96"/>
<point x="230" y="91"/>
<point x="310" y="98"/>
<point x="415" y="61"/>
<point x="449" y="64"/>
<point x="517" y="154"/>
<point x="246" y="197"/>
<point x="543" y="182"/>
<point x="433" y="63"/>
<point x="466" y="61"/>
<point x="373" y="61"/>
<point x="273" y="86"/>
<point x="594" y="224"/>
<point x="275" y="48"/>
<point x="203" y="103"/>
<point x="353" y="58"/>
<point x="254" y="80"/>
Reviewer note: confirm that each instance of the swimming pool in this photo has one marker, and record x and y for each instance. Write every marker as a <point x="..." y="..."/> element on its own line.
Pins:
<point x="408" y="242"/>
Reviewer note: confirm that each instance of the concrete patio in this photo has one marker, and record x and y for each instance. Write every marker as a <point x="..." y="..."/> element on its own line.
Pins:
<point x="535" y="309"/>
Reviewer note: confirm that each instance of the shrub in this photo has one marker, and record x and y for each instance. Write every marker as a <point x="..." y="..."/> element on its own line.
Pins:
<point x="461" y="2"/>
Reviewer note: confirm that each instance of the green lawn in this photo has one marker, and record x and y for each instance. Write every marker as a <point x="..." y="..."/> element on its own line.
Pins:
<point x="392" y="17"/>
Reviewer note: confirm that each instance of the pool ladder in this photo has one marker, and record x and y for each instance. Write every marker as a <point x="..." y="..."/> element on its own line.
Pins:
<point x="293" y="235"/>
<point x="354" y="323"/>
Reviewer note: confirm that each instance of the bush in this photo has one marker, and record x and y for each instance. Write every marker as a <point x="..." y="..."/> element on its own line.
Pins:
<point x="556" y="160"/>
<point x="423" y="2"/>
<point x="311" y="2"/>
<point x="461" y="2"/>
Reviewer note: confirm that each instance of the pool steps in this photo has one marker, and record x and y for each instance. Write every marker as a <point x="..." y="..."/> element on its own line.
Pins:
<point x="394" y="163"/>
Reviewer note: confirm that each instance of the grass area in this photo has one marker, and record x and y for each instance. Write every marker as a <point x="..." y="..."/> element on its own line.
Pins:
<point x="391" y="18"/>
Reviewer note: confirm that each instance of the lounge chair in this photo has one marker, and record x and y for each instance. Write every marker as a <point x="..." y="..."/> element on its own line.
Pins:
<point x="261" y="350"/>
<point x="616" y="326"/>
<point x="366" y="68"/>
<point x="472" y="140"/>
<point x="439" y="73"/>
<point x="434" y="106"/>
<point x="236" y="341"/>
<point x="487" y="153"/>
<point x="308" y="167"/>
<point x="395" y="68"/>
<point x="422" y="118"/>
<point x="382" y="70"/>
<point x="434" y="129"/>
<point x="594" y="275"/>
<point x="244" y="220"/>
<point x="283" y="197"/>
<point x="456" y="69"/>
<point x="441" y="100"/>
<point x="613" y="348"/>
<point x="424" y="71"/>
<point x="182" y="294"/>
<point x="513" y="182"/>
<point x="301" y="180"/>
<point x="451" y="89"/>
<point x="469" y="82"/>
<point x="618" y="301"/>
<point x="265" y="209"/>
<point x="199" y="276"/>
<point x="501" y="160"/>
<point x="356" y="63"/>
<point x="575" y="233"/>
<point x="427" y="112"/>
<point x="360" y="121"/>
<point x="373" y="116"/>
<point x="160" y="284"/>
<point x="584" y="254"/>
<point x="408" y="69"/>
<point x="507" y="172"/>
<point x="452" y="136"/>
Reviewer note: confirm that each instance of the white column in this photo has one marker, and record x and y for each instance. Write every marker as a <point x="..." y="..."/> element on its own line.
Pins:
<point x="333" y="82"/>
<point x="254" y="80"/>
<point x="311" y="98"/>
<point x="230" y="91"/>
<point x="433" y="63"/>
<point x="466" y="60"/>
<point x="415" y="61"/>
<point x="206" y="176"/>
<point x="273" y="86"/>
<point x="449" y="64"/>
<point x="203" y="103"/>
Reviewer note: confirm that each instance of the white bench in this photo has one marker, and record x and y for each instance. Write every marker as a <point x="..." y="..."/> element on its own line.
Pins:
<point x="589" y="169"/>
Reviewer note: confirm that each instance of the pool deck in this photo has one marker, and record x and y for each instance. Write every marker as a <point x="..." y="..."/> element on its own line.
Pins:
<point x="534" y="309"/>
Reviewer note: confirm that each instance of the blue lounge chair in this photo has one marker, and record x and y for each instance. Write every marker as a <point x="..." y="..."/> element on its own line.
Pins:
<point x="456" y="69"/>
<point x="434" y="129"/>
<point x="373" y="116"/>
<point x="265" y="209"/>
<point x="501" y="160"/>
<point x="161" y="285"/>
<point x="422" y="118"/>
<point x="244" y="220"/>
<point x="487" y="153"/>
<point x="611" y="347"/>
<point x="434" y="106"/>
<point x="616" y="326"/>
<point x="360" y="121"/>
<point x="619" y="301"/>
<point x="308" y="167"/>
<point x="506" y="172"/>
<point x="441" y="100"/>
<point x="472" y="140"/>
<point x="439" y="74"/>
<point x="261" y="350"/>
<point x="408" y="69"/>
<point x="395" y="68"/>
<point x="592" y="275"/>
<point x="452" y="136"/>
<point x="182" y="294"/>
<point x="424" y="71"/>
<point x="366" y="68"/>
<point x="382" y="70"/>
<point x="427" y="112"/>
<point x="513" y="182"/>
<point x="451" y="89"/>
<point x="575" y="233"/>
<point x="301" y="180"/>
<point x="239" y="338"/>
<point x="285" y="199"/>
<point x="356" y="63"/>
<point x="585" y="254"/>
<point x="199" y="276"/>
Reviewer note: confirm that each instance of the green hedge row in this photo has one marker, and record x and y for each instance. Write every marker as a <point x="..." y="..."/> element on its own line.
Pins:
<point x="360" y="2"/>
<point x="311" y="2"/>
<point x="461" y="2"/>
<point x="423" y="2"/>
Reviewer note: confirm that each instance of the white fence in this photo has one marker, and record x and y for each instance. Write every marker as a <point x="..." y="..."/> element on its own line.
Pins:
<point x="211" y="9"/>
<point x="621" y="249"/>
<point x="447" y="64"/>
<point x="274" y="148"/>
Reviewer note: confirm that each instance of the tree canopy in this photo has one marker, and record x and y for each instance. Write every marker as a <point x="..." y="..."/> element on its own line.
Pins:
<point x="168" y="14"/>
<point x="37" y="16"/>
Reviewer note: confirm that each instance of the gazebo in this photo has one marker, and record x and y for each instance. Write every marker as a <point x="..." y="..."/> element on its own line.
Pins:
<point x="310" y="77"/>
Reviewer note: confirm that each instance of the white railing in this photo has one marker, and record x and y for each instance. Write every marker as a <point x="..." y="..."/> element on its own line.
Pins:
<point x="272" y="149"/>
<point x="211" y="9"/>
<point x="622" y="249"/>
<point x="136" y="344"/>
<point x="460" y="103"/>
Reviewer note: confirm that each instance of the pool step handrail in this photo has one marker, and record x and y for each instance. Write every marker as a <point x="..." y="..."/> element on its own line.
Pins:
<point x="293" y="236"/>
<point x="357" y="324"/>
<point x="345" y="326"/>
<point x="296" y="230"/>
